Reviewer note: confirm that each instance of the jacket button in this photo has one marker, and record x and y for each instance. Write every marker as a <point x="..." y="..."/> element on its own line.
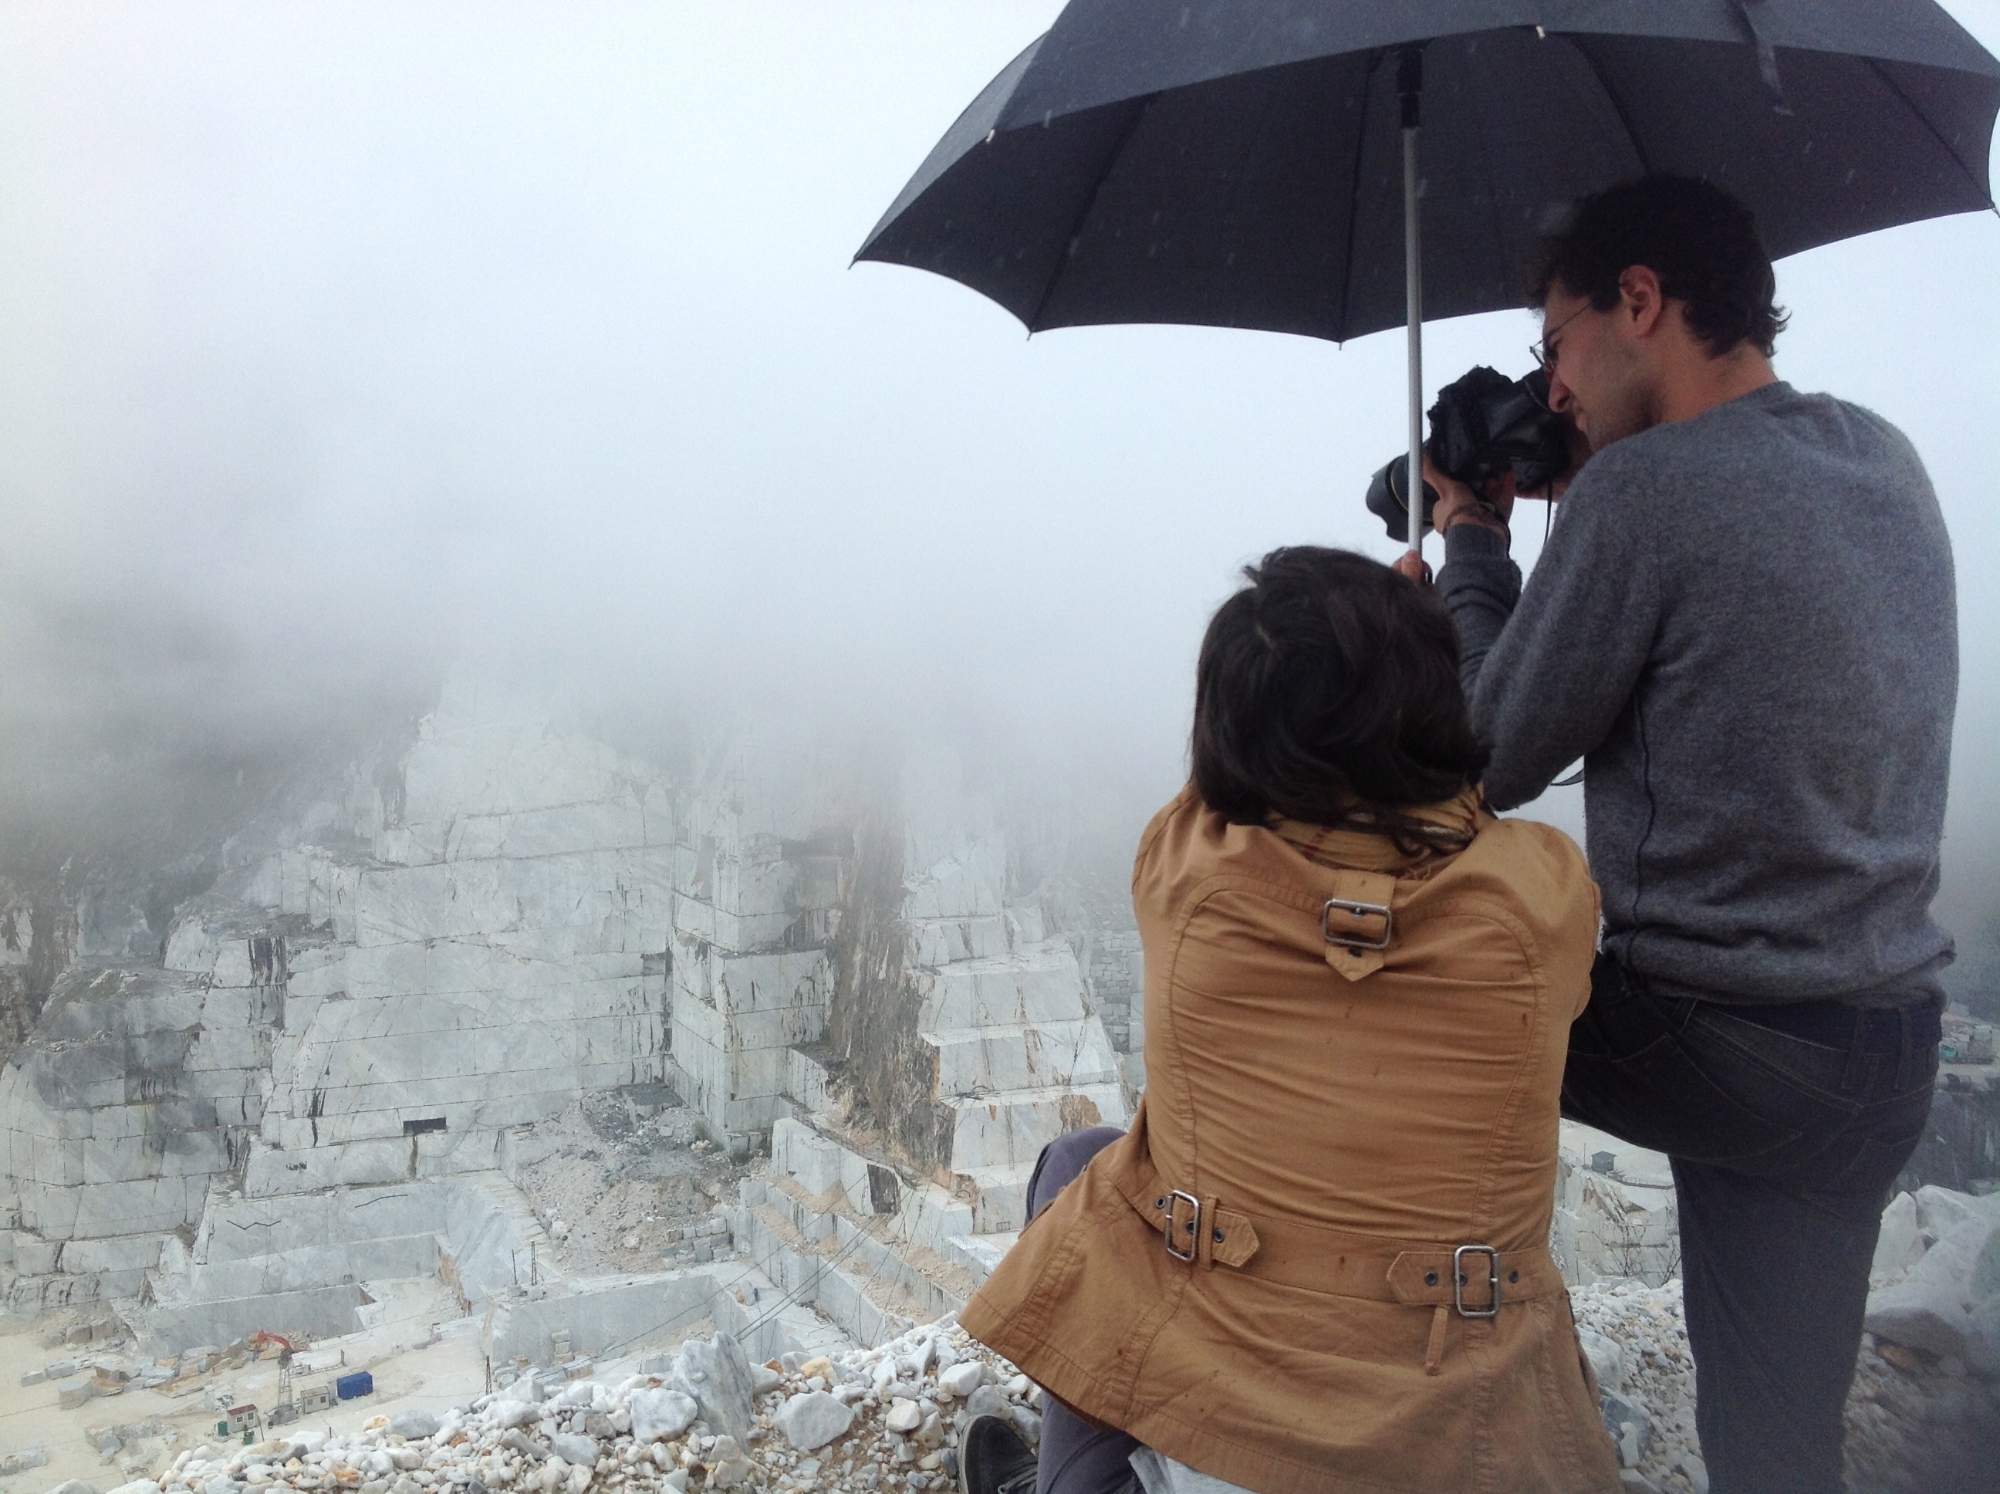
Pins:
<point x="1513" y="1275"/>
<point x="1159" y="1203"/>
<point x="1430" y="1278"/>
<point x="1218" y="1237"/>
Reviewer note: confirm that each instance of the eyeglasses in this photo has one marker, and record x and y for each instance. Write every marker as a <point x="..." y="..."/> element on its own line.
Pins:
<point x="1540" y="350"/>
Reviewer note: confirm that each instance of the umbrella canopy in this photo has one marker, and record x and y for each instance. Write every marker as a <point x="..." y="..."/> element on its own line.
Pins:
<point x="1240" y="164"/>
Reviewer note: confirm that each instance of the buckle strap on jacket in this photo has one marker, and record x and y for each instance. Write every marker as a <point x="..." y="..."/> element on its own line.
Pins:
<point x="1199" y="1230"/>
<point x="1473" y="1280"/>
<point x="1358" y="922"/>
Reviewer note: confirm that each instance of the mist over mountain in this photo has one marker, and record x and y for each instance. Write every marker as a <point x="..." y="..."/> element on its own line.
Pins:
<point x="349" y="345"/>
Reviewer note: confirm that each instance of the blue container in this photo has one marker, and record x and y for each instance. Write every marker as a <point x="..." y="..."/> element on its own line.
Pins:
<point x="360" y="1383"/>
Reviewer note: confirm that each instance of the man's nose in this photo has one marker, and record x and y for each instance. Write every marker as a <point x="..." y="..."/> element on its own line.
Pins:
<point x="1559" y="395"/>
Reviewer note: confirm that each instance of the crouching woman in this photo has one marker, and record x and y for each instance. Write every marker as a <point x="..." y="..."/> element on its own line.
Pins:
<point x="1318" y="1260"/>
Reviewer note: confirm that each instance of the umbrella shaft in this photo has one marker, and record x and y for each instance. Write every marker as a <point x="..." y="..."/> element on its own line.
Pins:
<point x="1413" y="276"/>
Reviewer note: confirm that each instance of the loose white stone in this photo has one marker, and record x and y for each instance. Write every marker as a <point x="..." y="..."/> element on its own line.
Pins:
<point x="659" y="1414"/>
<point x="903" y="1417"/>
<point x="813" y="1420"/>
<point x="1940" y="1306"/>
<point x="962" y="1378"/>
<point x="715" y="1373"/>
<point x="413" y="1424"/>
<point x="1607" y="1360"/>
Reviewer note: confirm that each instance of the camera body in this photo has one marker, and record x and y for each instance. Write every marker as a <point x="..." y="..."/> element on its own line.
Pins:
<point x="1483" y="424"/>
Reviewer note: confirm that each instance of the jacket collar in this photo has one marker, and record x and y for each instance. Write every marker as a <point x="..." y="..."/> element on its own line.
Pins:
<point x="1449" y="825"/>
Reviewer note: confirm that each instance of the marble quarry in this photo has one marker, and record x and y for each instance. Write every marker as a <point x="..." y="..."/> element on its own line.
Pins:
<point x="318" y="1077"/>
<point x="1616" y="1218"/>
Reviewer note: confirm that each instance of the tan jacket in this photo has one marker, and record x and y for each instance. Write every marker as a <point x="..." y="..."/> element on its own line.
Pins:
<point x="1343" y="1116"/>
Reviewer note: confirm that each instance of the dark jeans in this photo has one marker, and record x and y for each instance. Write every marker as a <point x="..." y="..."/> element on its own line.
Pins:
<point x="1786" y="1127"/>
<point x="1076" y="1458"/>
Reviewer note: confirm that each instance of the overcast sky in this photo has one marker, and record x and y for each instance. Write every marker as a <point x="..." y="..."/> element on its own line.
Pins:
<point x="340" y="340"/>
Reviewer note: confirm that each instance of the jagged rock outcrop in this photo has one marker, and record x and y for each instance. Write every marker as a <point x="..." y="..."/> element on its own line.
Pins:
<point x="468" y="934"/>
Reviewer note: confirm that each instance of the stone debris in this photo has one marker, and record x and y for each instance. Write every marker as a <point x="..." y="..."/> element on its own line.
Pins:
<point x="813" y="1418"/>
<point x="1635" y="1337"/>
<point x="887" y="1418"/>
<point x="715" y="1375"/>
<point x="24" y="1460"/>
<point x="1936" y="1277"/>
<point x="619" y="1189"/>
<point x="823" y="1424"/>
<point x="1919" y="1419"/>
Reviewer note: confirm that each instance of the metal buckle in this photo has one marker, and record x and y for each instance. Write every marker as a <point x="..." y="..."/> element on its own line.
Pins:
<point x="1359" y="910"/>
<point x="1194" y="1226"/>
<point x="1492" y="1310"/>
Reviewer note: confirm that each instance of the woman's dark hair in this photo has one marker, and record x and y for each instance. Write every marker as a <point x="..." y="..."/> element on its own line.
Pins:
<point x="1699" y="240"/>
<point x="1328" y="690"/>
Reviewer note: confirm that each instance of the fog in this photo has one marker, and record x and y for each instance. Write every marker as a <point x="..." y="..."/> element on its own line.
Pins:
<point x="343" y="342"/>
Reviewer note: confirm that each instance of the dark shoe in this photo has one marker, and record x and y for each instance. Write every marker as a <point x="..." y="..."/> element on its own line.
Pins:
<point x="993" y="1458"/>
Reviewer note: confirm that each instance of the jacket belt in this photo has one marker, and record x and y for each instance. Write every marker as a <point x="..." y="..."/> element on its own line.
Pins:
<point x="1334" y="1261"/>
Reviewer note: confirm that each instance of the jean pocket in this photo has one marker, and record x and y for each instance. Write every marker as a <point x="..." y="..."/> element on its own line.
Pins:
<point x="1777" y="1068"/>
<point x="1690" y="1115"/>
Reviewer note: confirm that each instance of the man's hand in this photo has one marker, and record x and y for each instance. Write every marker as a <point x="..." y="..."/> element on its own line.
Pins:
<point x="1491" y="507"/>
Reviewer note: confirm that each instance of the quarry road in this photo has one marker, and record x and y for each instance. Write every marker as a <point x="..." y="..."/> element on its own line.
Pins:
<point x="448" y="1372"/>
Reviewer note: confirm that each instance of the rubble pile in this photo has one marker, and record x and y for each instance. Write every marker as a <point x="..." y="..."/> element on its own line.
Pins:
<point x="102" y="1376"/>
<point x="876" y="1419"/>
<point x="624" y="1187"/>
<point x="1924" y="1413"/>
<point x="1925" y="1410"/>
<point x="1635" y="1337"/>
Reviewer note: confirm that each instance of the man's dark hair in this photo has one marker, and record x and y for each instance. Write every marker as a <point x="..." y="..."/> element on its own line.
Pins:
<point x="1328" y="687"/>
<point x="1699" y="240"/>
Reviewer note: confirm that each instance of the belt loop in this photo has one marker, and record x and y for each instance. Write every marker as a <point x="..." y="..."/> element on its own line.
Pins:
<point x="1204" y="1240"/>
<point x="1857" y="1056"/>
<point x="1434" y="1352"/>
<point x="1904" y="1048"/>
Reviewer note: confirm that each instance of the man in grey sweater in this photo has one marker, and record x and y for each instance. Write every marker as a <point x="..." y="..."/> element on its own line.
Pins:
<point x="1743" y="622"/>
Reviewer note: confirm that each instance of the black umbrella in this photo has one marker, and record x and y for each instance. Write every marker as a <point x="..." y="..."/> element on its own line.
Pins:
<point x="1253" y="163"/>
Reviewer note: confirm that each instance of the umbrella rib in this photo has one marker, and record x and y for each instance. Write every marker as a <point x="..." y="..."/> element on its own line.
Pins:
<point x="1617" y="107"/>
<point x="1951" y="150"/>
<point x="1083" y="213"/>
<point x="1354" y="202"/>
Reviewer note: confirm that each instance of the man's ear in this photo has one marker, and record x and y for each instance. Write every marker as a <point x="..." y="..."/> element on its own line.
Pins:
<point x="1640" y="304"/>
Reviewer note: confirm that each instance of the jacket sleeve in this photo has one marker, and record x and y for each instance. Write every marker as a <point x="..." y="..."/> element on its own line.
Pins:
<point x="1546" y="676"/>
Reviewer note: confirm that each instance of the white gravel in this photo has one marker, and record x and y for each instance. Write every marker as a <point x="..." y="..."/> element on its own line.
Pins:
<point x="1914" y="1424"/>
<point x="498" y="1444"/>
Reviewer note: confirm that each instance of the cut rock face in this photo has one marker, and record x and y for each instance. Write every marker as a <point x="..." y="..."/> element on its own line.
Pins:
<point x="484" y="925"/>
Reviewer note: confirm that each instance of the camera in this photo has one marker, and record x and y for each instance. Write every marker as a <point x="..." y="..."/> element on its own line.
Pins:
<point x="1482" y="425"/>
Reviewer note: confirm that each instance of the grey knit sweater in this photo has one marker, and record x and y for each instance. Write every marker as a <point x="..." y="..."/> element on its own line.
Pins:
<point x="1744" y="624"/>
